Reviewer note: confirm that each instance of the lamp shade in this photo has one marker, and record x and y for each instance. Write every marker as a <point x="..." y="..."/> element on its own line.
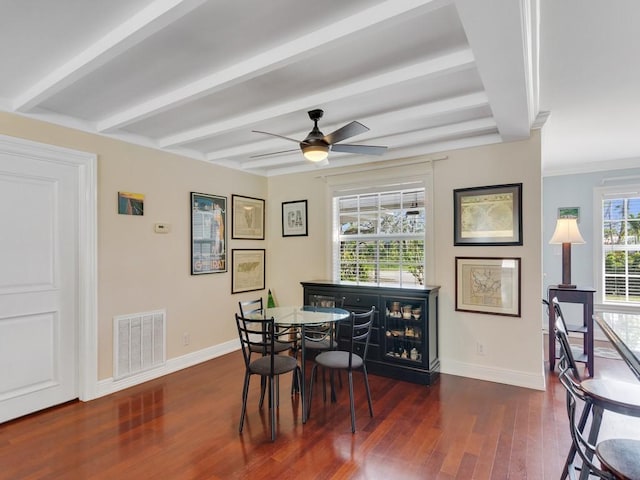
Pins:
<point x="315" y="153"/>
<point x="567" y="231"/>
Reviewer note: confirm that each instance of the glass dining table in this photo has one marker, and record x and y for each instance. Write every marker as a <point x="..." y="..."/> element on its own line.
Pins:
<point x="302" y="317"/>
<point x="623" y="331"/>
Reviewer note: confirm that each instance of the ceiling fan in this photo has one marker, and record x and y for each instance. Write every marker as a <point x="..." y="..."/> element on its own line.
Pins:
<point x="315" y="147"/>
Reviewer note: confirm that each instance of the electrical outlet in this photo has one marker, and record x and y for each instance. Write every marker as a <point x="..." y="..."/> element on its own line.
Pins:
<point x="479" y="348"/>
<point x="186" y="338"/>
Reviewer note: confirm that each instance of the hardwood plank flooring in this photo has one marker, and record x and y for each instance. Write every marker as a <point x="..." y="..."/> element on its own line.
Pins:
<point x="185" y="426"/>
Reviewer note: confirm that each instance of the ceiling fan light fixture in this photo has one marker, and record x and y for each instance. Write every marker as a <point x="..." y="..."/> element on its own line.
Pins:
<point x="315" y="153"/>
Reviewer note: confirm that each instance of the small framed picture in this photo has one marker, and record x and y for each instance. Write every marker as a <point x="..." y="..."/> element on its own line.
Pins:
<point x="247" y="270"/>
<point x="569" y="212"/>
<point x="294" y="219"/>
<point x="489" y="215"/>
<point x="247" y="218"/>
<point x="488" y="285"/>
<point x="130" y="203"/>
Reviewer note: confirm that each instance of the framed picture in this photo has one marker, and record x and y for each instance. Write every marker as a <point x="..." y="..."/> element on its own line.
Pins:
<point x="488" y="285"/>
<point x="208" y="233"/>
<point x="294" y="219"/>
<point x="130" y="203"/>
<point x="247" y="218"/>
<point x="569" y="212"/>
<point x="247" y="270"/>
<point x="488" y="215"/>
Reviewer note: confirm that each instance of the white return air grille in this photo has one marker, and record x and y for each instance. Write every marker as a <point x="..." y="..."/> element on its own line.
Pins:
<point x="139" y="342"/>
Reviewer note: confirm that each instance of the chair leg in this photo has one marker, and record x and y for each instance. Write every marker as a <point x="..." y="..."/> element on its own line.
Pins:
<point x="572" y="451"/>
<point x="332" y="383"/>
<point x="263" y="389"/>
<point x="593" y="437"/>
<point x="366" y="384"/>
<point x="245" y="392"/>
<point x="295" y="381"/>
<point x="311" y="382"/>
<point x="273" y="408"/>
<point x="351" y="402"/>
<point x="324" y="386"/>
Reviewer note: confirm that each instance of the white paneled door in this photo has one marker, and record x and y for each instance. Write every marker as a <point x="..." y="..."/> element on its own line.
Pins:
<point x="39" y="202"/>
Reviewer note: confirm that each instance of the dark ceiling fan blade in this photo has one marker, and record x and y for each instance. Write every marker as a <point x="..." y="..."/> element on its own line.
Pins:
<point x="349" y="130"/>
<point x="363" y="149"/>
<point x="274" y="153"/>
<point x="276" y="135"/>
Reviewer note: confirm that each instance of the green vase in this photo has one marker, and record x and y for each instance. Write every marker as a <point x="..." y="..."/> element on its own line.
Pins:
<point x="270" y="302"/>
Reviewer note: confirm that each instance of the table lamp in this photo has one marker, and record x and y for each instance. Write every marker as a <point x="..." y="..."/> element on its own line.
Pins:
<point x="566" y="233"/>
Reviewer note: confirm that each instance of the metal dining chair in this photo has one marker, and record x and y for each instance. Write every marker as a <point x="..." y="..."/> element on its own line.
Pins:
<point x="597" y="395"/>
<point x="259" y="336"/>
<point x="620" y="457"/>
<point x="360" y="327"/>
<point x="255" y="309"/>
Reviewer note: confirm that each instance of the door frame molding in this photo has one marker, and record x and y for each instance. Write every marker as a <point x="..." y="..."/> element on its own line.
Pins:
<point x="85" y="164"/>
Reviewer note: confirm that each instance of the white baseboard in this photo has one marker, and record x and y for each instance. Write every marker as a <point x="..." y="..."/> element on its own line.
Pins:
<point x="108" y="385"/>
<point x="491" y="374"/>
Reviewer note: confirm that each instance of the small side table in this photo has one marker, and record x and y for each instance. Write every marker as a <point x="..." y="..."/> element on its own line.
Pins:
<point x="583" y="295"/>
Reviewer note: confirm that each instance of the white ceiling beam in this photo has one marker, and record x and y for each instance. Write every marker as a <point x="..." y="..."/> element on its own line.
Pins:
<point x="444" y="64"/>
<point x="276" y="160"/>
<point x="437" y="133"/>
<point x="500" y="35"/>
<point x="145" y="23"/>
<point x="287" y="53"/>
<point x="426" y="110"/>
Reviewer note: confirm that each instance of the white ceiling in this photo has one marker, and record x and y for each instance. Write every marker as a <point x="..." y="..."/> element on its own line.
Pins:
<point x="195" y="77"/>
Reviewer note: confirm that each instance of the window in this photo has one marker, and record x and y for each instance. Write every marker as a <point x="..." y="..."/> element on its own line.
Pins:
<point x="380" y="237"/>
<point x="620" y="247"/>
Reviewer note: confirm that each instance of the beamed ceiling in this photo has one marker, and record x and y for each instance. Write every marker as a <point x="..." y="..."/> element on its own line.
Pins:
<point x="197" y="77"/>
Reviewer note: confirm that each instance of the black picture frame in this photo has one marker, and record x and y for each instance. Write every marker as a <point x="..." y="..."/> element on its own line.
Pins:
<point x="208" y="233"/>
<point x="294" y="219"/>
<point x="488" y="216"/>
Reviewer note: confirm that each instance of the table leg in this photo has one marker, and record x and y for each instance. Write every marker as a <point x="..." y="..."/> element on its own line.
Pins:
<point x="303" y="360"/>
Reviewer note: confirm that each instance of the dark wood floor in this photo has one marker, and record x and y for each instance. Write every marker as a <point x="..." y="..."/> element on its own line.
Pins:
<point x="184" y="426"/>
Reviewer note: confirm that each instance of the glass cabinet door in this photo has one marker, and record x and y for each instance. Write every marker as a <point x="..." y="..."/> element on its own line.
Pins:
<point x="404" y="329"/>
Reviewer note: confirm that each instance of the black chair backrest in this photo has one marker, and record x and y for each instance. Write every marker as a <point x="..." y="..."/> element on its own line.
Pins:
<point x="567" y="360"/>
<point x="256" y="335"/>
<point x="323" y="331"/>
<point x="558" y="311"/>
<point x="576" y="397"/>
<point x="252" y="308"/>
<point x="360" y="326"/>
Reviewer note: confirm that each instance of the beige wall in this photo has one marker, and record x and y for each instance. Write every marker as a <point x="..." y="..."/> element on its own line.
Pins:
<point x="513" y="346"/>
<point x="140" y="270"/>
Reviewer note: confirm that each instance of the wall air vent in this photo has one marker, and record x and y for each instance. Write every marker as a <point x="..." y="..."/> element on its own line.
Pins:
<point x="139" y="342"/>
